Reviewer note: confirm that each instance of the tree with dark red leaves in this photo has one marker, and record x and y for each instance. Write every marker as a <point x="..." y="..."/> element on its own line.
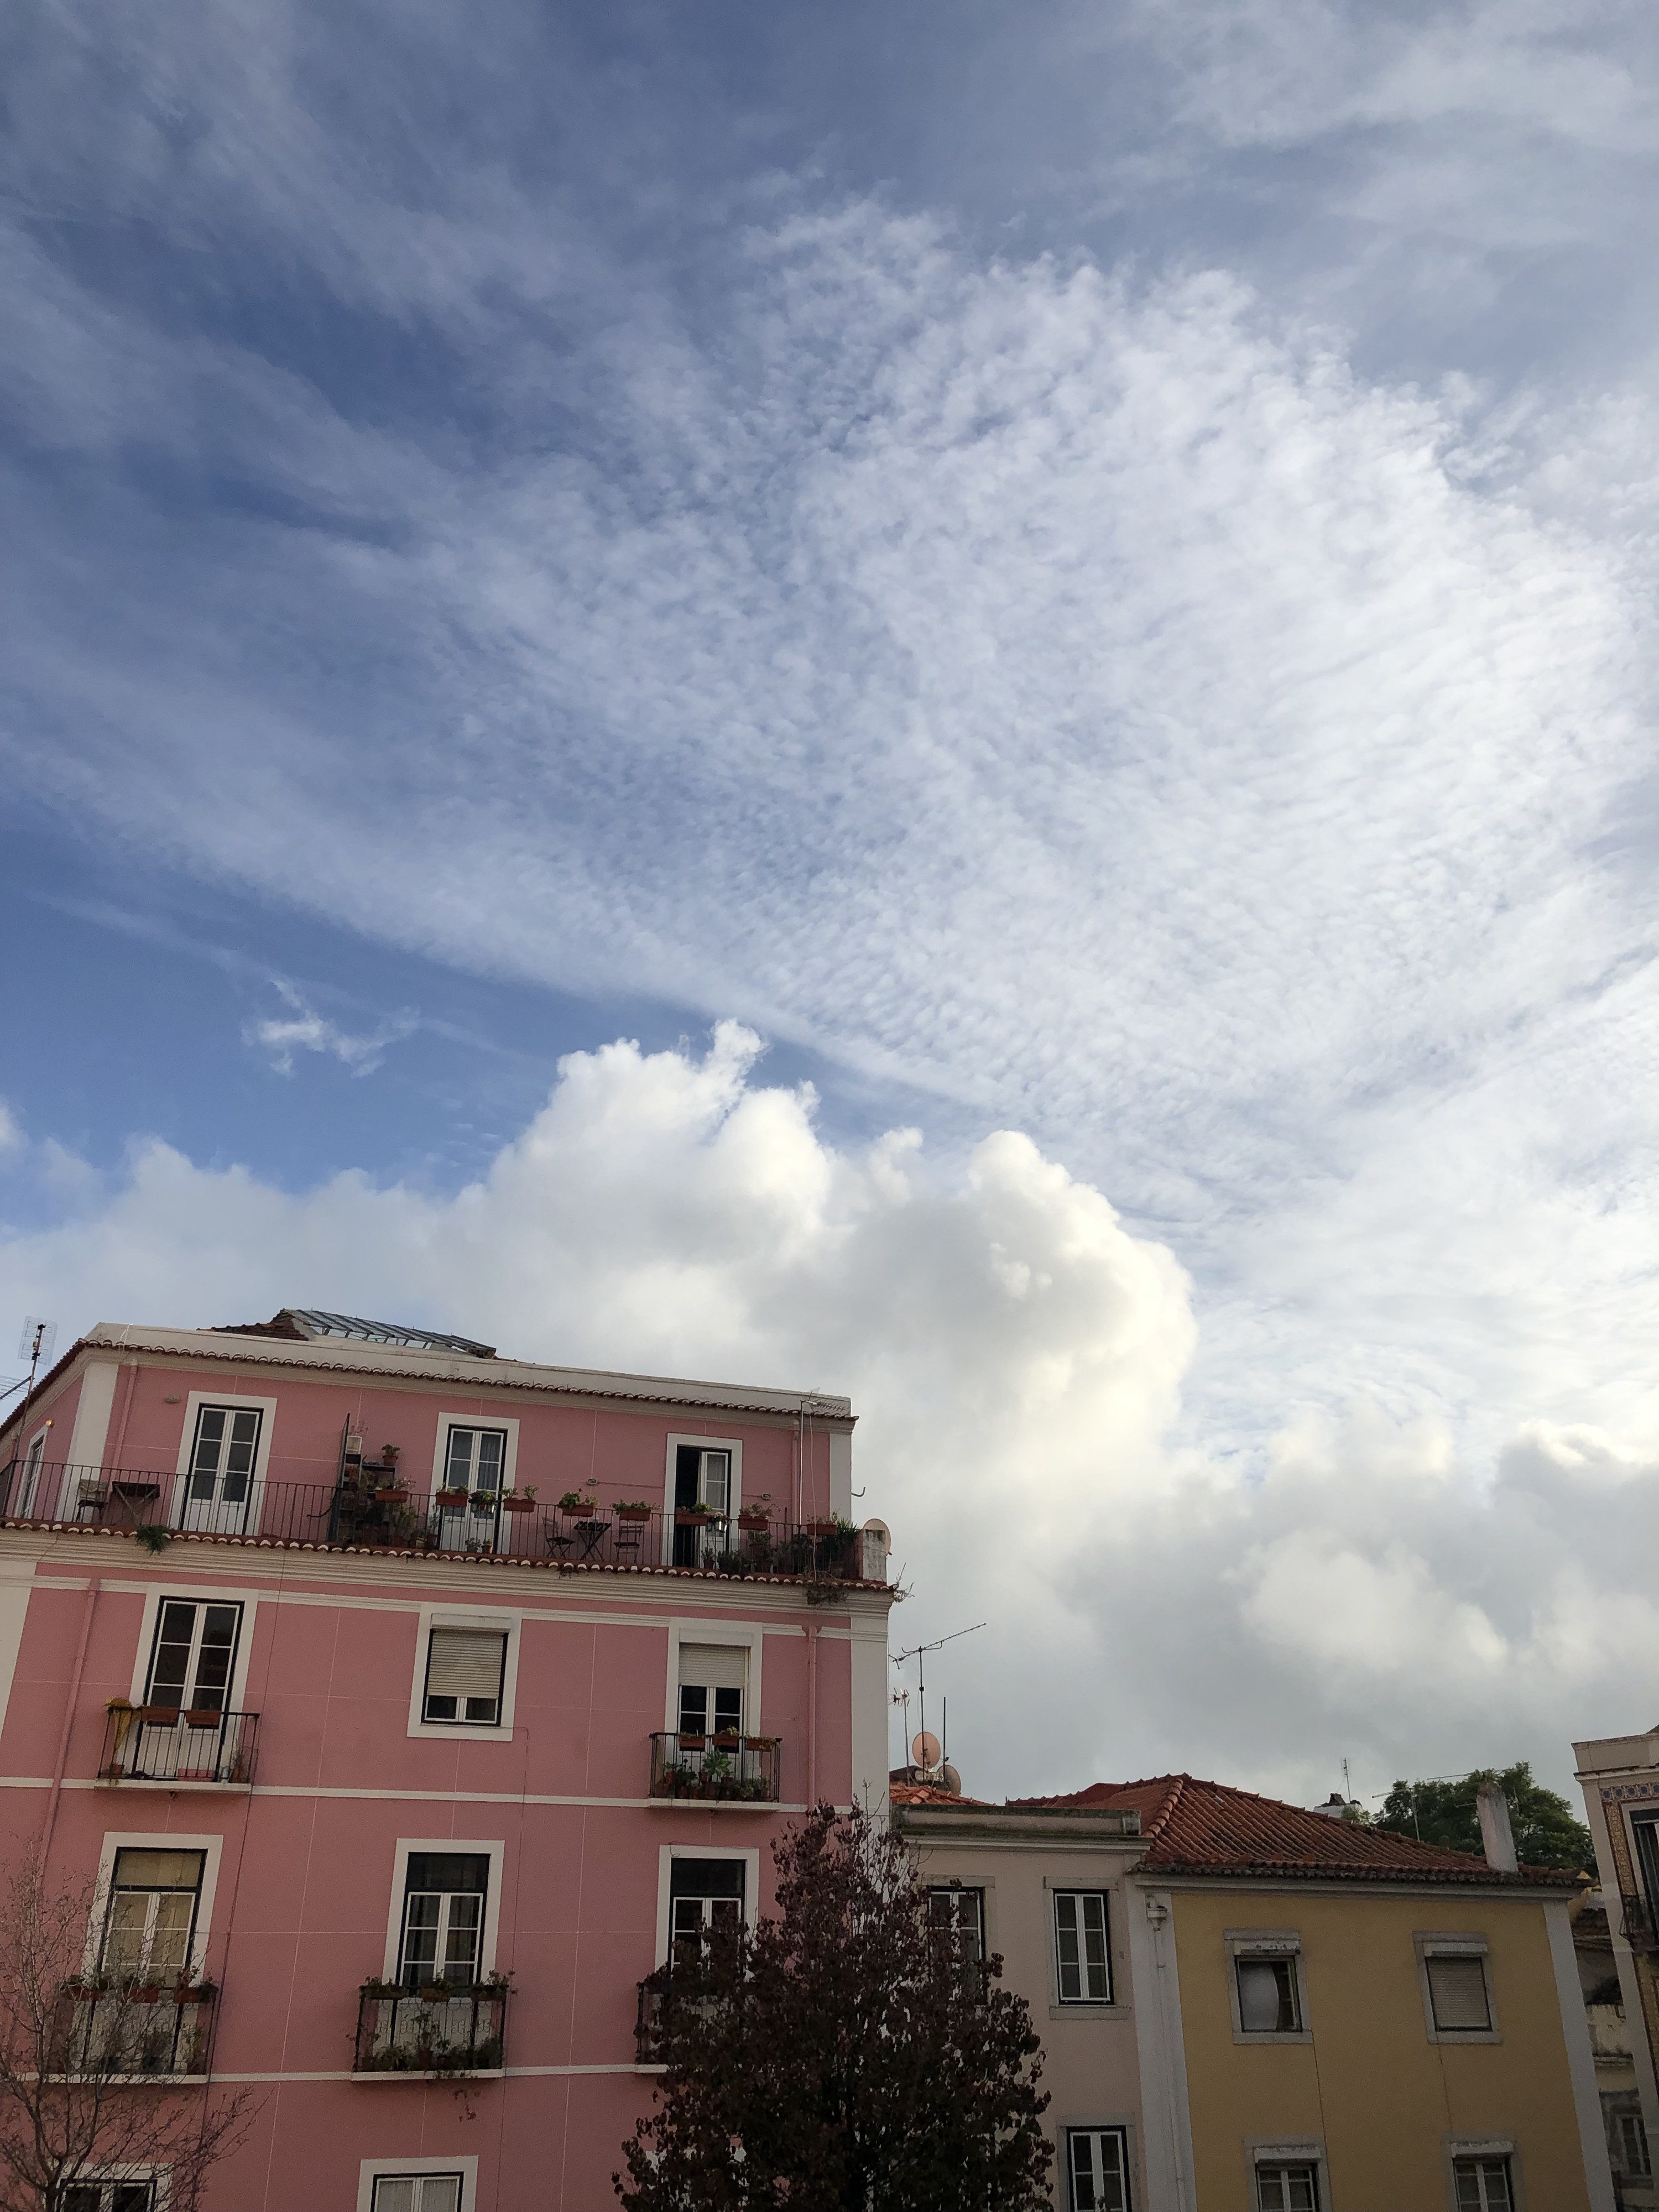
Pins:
<point x="845" y="2055"/>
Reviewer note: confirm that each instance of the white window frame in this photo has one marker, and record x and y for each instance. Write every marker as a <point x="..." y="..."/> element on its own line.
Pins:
<point x="1289" y="2150"/>
<point x="239" y="1401"/>
<point x="155" y="1840"/>
<point x="509" y="1457"/>
<point x="372" y="2169"/>
<point x="732" y="1444"/>
<point x="501" y="1623"/>
<point x="495" y="1852"/>
<point x="1452" y="1944"/>
<point x="1454" y="2147"/>
<point x="666" y="1855"/>
<point x="236" y="1695"/>
<point x="736" y="1634"/>
<point x="1122" y="2128"/>
<point x="1063" y="2007"/>
<point x="160" y="2178"/>
<point x="32" y="1509"/>
<point x="1247" y="1944"/>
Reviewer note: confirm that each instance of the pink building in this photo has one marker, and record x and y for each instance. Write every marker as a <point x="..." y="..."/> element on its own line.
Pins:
<point x="404" y="1702"/>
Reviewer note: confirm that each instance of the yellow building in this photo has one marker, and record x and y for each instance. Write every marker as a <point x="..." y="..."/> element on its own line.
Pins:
<point x="1325" y="2018"/>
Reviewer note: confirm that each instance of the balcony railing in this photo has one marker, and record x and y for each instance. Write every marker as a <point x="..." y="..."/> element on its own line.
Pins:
<point x="445" y="2028"/>
<point x="1640" y="1925"/>
<point x="373" y="1511"/>
<point x="133" y="2028"/>
<point x="161" y="1743"/>
<point x="724" y="1768"/>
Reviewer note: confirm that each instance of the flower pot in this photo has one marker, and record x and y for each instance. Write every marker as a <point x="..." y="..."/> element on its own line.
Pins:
<point x="450" y="1498"/>
<point x="823" y="1528"/>
<point x="519" y="1505"/>
<point x="579" y="1512"/>
<point x="632" y="1513"/>
<point x="728" y="1740"/>
<point x="202" y="1716"/>
<point x="157" y="1715"/>
<point x="756" y="1523"/>
<point x="391" y="1498"/>
<point x="692" y="1517"/>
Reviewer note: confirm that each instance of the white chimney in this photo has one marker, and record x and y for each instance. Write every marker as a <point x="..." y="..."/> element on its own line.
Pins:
<point x="1496" y="1837"/>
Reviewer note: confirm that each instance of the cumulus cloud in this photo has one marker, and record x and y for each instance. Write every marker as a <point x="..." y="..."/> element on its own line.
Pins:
<point x="304" y="1030"/>
<point x="1017" y="1358"/>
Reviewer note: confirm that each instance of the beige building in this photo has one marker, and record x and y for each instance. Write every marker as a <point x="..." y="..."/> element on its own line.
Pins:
<point x="1294" y="2014"/>
<point x="1619" y="1775"/>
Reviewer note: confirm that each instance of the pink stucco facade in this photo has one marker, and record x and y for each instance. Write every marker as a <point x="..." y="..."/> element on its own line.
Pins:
<point x="310" y="1836"/>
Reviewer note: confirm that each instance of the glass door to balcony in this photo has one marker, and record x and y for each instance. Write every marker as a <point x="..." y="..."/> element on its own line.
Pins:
<point x="219" y="1487"/>
<point x="473" y="1469"/>
<point x="152" y="1915"/>
<point x="443" y="1919"/>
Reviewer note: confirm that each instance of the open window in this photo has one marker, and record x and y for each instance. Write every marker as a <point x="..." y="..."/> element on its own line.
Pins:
<point x="705" y="1483"/>
<point x="445" y="1897"/>
<point x="1268" y="1999"/>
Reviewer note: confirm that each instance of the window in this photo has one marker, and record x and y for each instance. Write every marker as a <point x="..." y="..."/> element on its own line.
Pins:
<point x="1644" y="1833"/>
<point x="1458" y="1998"/>
<point x="417" y="2192"/>
<point x="465" y="1670"/>
<point x="704" y="1476"/>
<point x="703" y="1895"/>
<point x="26" y="1502"/>
<point x="194" y="1655"/>
<point x="223" y="1458"/>
<point x="444" y="1895"/>
<point x="1483" y="2185"/>
<point x="1098" y="2170"/>
<point x="1081" y="1958"/>
<point x="1269" y="2000"/>
<point x="108" y="2196"/>
<point x="150" y="1924"/>
<point x="475" y="1459"/>
<point x="1627" y="2137"/>
<point x="1288" y="2188"/>
<point x="961" y="1914"/>
<point x="713" y="1685"/>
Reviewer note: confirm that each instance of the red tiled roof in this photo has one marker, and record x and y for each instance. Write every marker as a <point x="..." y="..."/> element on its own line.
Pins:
<point x="1200" y="1828"/>
<point x="929" y="1793"/>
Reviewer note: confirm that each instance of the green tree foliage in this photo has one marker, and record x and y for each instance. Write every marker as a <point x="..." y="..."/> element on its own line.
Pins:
<point x="845" y="2057"/>
<point x="1545" y="1832"/>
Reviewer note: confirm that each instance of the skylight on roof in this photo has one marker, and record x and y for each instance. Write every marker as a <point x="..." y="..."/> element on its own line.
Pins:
<point x="314" y="1322"/>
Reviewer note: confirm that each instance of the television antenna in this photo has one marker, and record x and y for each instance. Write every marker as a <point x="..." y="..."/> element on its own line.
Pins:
<point x="36" y="1344"/>
<point x="918" y="1653"/>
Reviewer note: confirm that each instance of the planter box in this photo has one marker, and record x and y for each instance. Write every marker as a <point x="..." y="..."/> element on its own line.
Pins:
<point x="518" y="1504"/>
<point x="450" y="1498"/>
<point x="202" y="1716"/>
<point x="632" y="1512"/>
<point x="756" y="1523"/>
<point x="692" y="1517"/>
<point x="391" y="1498"/>
<point x="159" y="1716"/>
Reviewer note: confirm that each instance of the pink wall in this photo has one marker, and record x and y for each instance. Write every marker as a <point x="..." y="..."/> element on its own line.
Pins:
<point x="306" y="1882"/>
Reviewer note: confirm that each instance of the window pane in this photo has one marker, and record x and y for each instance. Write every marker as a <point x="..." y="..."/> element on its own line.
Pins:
<point x="1067" y="1955"/>
<point x="1457" y="1990"/>
<point x="459" y="1470"/>
<point x="394" y="2193"/>
<point x="491" y="1451"/>
<point x="1266" y="1996"/>
<point x="716" y="1480"/>
<point x="693" y="1709"/>
<point x="1097" y="2171"/>
<point x="131" y="2197"/>
<point x="1288" y="2188"/>
<point x="175" y="1637"/>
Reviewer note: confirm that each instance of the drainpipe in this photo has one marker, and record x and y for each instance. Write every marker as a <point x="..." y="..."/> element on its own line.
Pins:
<point x="811" y="1715"/>
<point x="73" y="1699"/>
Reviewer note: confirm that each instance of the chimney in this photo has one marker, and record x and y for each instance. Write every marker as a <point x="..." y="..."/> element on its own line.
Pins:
<point x="1496" y="1837"/>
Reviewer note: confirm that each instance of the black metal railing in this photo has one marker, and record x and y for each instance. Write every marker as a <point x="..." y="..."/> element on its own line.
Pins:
<point x="446" y="2027"/>
<point x="372" y="1509"/>
<point x="1640" y="1923"/>
<point x="724" y="1768"/>
<point x="649" y="2018"/>
<point x="166" y="1743"/>
<point x="133" y="2028"/>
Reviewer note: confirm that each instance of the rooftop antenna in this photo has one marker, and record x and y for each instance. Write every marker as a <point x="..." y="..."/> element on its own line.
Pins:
<point x="34" y="1344"/>
<point x="918" y="1652"/>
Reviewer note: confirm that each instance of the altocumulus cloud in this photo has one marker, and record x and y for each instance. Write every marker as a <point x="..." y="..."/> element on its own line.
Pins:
<point x="1017" y="1358"/>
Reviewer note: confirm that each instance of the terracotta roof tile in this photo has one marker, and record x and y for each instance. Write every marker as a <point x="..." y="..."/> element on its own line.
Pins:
<point x="1194" y="1826"/>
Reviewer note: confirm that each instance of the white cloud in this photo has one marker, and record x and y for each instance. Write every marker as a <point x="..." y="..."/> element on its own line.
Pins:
<point x="12" y="1138"/>
<point x="304" y="1030"/>
<point x="1018" y="1357"/>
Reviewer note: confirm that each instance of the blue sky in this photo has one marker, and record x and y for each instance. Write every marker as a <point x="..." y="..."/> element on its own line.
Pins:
<point x="1081" y="571"/>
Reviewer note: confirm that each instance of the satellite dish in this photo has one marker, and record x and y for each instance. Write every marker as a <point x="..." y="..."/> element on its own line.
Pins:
<point x="925" y="1748"/>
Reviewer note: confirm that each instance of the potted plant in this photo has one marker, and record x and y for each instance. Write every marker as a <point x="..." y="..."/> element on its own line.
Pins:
<point x="633" y="1508"/>
<point x="520" y="1501"/>
<point x="390" y="1454"/>
<point x="450" y="1497"/>
<point x="693" y="1517"/>
<point x="755" y="1518"/>
<point x="395" y="1493"/>
<point x="575" y="1506"/>
<point x="485" y="1501"/>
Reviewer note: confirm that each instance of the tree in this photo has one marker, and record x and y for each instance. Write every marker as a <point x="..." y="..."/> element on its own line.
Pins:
<point x="85" y="2060"/>
<point x="1545" y="1832"/>
<point x="847" y="2056"/>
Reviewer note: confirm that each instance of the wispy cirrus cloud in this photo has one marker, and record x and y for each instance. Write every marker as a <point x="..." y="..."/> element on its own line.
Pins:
<point x="302" y="1029"/>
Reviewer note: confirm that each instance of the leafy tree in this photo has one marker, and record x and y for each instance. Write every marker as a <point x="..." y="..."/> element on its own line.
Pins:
<point x="1443" y="1813"/>
<point x="845" y="2057"/>
<point x="84" y="2060"/>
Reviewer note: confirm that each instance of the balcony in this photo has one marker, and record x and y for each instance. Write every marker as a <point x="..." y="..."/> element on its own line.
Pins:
<point x="134" y="2030"/>
<point x="1640" y="1926"/>
<point x="443" y="2028"/>
<point x="184" y="1750"/>
<point x="717" y="1769"/>
<point x="373" y="1510"/>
